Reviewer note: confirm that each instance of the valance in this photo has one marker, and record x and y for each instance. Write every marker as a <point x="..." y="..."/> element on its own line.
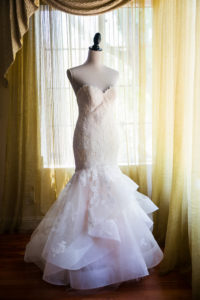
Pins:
<point x="86" y="8"/>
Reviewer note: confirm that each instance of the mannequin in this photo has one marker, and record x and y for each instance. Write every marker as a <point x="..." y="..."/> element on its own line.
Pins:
<point x="93" y="72"/>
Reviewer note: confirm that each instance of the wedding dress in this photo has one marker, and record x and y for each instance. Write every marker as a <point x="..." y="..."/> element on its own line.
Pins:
<point x="99" y="230"/>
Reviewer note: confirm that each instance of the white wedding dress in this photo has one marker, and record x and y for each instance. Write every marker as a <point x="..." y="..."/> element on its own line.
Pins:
<point x="99" y="230"/>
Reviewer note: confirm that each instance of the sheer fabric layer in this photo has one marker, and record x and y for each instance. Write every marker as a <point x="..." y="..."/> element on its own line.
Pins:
<point x="98" y="232"/>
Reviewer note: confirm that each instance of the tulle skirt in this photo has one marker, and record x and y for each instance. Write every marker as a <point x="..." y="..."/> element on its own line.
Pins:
<point x="98" y="232"/>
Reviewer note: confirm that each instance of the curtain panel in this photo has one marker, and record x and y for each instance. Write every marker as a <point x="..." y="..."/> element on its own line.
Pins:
<point x="63" y="41"/>
<point x="22" y="166"/>
<point x="14" y="23"/>
<point x="176" y="131"/>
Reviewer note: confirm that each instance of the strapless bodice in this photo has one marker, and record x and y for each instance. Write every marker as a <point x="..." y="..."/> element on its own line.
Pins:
<point x="96" y="134"/>
<point x="90" y="97"/>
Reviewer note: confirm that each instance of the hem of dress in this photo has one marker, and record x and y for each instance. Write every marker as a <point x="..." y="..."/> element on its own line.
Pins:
<point x="96" y="287"/>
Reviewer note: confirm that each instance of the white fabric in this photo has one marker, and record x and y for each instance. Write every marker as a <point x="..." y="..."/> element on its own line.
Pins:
<point x="96" y="135"/>
<point x="99" y="230"/>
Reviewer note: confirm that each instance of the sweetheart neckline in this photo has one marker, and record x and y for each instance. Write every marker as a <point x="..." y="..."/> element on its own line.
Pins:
<point x="96" y="87"/>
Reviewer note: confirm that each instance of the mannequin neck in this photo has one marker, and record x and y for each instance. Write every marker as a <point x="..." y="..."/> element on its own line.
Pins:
<point x="94" y="58"/>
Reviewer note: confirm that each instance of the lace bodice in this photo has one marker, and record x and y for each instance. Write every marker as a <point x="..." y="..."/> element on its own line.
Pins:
<point x="96" y="134"/>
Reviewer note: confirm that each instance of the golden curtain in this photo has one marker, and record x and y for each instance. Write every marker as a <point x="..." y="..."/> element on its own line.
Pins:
<point x="14" y="23"/>
<point x="86" y="8"/>
<point x="176" y="131"/>
<point x="22" y="176"/>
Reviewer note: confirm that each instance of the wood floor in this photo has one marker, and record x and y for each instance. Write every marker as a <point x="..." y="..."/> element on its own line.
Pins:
<point x="20" y="280"/>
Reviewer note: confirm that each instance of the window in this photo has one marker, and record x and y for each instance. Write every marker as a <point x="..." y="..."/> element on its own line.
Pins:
<point x="62" y="43"/>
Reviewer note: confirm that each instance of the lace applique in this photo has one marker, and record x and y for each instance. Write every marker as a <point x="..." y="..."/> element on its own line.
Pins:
<point x="100" y="197"/>
<point x="60" y="248"/>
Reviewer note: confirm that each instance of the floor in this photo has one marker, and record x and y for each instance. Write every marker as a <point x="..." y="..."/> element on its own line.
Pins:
<point x="20" y="280"/>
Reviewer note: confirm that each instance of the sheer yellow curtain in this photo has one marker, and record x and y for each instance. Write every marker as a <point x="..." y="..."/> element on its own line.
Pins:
<point x="176" y="131"/>
<point x="44" y="109"/>
<point x="62" y="43"/>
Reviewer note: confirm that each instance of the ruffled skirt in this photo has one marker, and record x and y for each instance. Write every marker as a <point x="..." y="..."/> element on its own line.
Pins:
<point x="98" y="232"/>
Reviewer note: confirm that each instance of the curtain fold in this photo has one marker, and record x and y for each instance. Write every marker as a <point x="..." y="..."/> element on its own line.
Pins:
<point x="176" y="131"/>
<point x="14" y="23"/>
<point x="22" y="171"/>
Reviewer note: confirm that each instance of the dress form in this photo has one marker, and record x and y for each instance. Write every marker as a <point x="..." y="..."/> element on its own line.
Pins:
<point x="92" y="72"/>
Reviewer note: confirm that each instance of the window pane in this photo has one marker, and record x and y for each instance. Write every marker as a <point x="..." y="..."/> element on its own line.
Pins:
<point x="62" y="43"/>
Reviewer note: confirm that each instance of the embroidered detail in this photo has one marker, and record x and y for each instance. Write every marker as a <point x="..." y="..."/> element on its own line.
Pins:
<point x="60" y="248"/>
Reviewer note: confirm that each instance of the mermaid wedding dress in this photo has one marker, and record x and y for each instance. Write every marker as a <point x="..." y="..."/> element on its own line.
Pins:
<point x="99" y="230"/>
